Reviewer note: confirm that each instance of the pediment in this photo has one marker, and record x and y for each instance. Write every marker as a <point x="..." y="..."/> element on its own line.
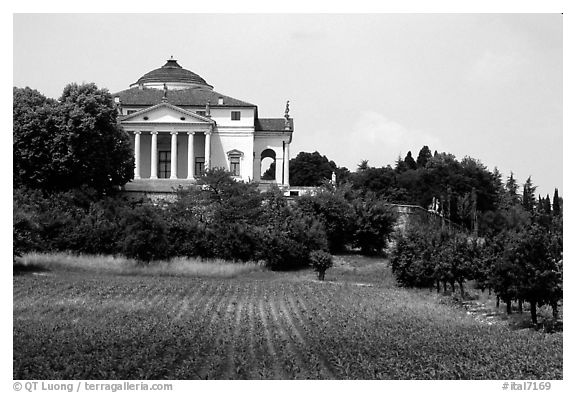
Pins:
<point x="235" y="152"/>
<point x="165" y="113"/>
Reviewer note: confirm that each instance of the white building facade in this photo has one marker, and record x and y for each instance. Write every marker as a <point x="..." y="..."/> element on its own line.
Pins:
<point x="180" y="126"/>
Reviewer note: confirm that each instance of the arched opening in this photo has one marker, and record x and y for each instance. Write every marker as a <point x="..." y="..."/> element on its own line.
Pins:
<point x="268" y="165"/>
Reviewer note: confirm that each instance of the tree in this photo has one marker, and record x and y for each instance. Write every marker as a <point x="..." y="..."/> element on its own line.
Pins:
<point x="511" y="190"/>
<point x="73" y="142"/>
<point x="34" y="132"/>
<point x="375" y="223"/>
<point x="363" y="166"/>
<point x="310" y="169"/>
<point x="539" y="278"/>
<point x="556" y="209"/>
<point x="547" y="207"/>
<point x="528" y="195"/>
<point x="321" y="261"/>
<point x="337" y="215"/>
<point x="409" y="161"/>
<point x="222" y="199"/>
<point x="400" y="165"/>
<point x="270" y="173"/>
<point x="423" y="157"/>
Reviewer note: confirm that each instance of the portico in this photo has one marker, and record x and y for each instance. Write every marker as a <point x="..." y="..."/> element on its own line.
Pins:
<point x="166" y="149"/>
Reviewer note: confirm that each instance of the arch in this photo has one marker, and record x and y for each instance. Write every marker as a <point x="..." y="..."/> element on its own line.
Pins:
<point x="268" y="164"/>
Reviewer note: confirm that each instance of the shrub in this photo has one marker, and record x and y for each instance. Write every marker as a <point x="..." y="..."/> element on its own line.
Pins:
<point x="321" y="261"/>
<point x="146" y="233"/>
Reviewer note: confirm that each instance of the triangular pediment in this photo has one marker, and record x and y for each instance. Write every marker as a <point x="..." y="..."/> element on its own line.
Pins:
<point x="165" y="113"/>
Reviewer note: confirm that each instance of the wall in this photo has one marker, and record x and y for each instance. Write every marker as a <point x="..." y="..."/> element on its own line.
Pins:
<point x="223" y="117"/>
<point x="237" y="139"/>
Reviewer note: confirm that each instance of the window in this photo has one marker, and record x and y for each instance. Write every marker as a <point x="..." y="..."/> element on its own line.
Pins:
<point x="235" y="115"/>
<point x="234" y="157"/>
<point x="201" y="113"/>
<point x="235" y="165"/>
<point x="164" y="164"/>
<point x="198" y="166"/>
<point x="130" y="111"/>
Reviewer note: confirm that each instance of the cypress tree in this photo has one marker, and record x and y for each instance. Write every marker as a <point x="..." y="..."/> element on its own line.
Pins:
<point x="512" y="189"/>
<point x="423" y="157"/>
<point x="528" y="198"/>
<point x="556" y="203"/>
<point x="409" y="161"/>
<point x="547" y="207"/>
<point x="540" y="206"/>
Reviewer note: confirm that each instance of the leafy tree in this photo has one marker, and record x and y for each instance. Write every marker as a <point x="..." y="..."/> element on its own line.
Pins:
<point x="363" y="166"/>
<point x="381" y="181"/>
<point x="539" y="278"/>
<point x="464" y="259"/>
<point x="375" y="223"/>
<point x="337" y="215"/>
<point x="423" y="157"/>
<point x="270" y="173"/>
<point x="224" y="199"/>
<point x="310" y="169"/>
<point x="288" y="236"/>
<point x="34" y="130"/>
<point x="321" y="261"/>
<point x="73" y="142"/>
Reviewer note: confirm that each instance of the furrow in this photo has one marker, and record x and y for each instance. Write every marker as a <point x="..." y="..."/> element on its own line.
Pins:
<point x="213" y="348"/>
<point x="254" y="360"/>
<point x="233" y="345"/>
<point x="293" y="360"/>
<point x="199" y="319"/>
<point x="327" y="371"/>
<point x="272" y="356"/>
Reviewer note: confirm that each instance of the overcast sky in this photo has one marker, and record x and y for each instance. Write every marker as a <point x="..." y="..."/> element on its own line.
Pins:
<point x="360" y="86"/>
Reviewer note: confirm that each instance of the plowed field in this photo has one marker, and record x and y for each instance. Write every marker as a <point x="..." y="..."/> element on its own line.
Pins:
<point x="79" y="325"/>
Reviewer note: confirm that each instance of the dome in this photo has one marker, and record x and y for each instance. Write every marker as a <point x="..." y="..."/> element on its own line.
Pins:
<point x="173" y="75"/>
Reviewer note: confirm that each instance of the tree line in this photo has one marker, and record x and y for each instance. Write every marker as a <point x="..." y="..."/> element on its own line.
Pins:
<point x="521" y="259"/>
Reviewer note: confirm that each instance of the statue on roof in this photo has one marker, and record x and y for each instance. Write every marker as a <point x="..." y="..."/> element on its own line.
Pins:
<point x="287" y="116"/>
<point x="165" y="97"/>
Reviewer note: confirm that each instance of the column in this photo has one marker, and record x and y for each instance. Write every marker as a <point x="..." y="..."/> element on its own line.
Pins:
<point x="154" y="156"/>
<point x="287" y="164"/>
<point x="279" y="169"/>
<point x="137" y="155"/>
<point x="257" y="164"/>
<point x="191" y="155"/>
<point x="207" y="150"/>
<point x="174" y="156"/>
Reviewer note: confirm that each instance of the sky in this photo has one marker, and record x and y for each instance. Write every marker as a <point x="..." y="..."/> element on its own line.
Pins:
<point x="361" y="86"/>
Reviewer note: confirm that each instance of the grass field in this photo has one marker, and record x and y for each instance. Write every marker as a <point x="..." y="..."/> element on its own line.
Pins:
<point x="83" y="324"/>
